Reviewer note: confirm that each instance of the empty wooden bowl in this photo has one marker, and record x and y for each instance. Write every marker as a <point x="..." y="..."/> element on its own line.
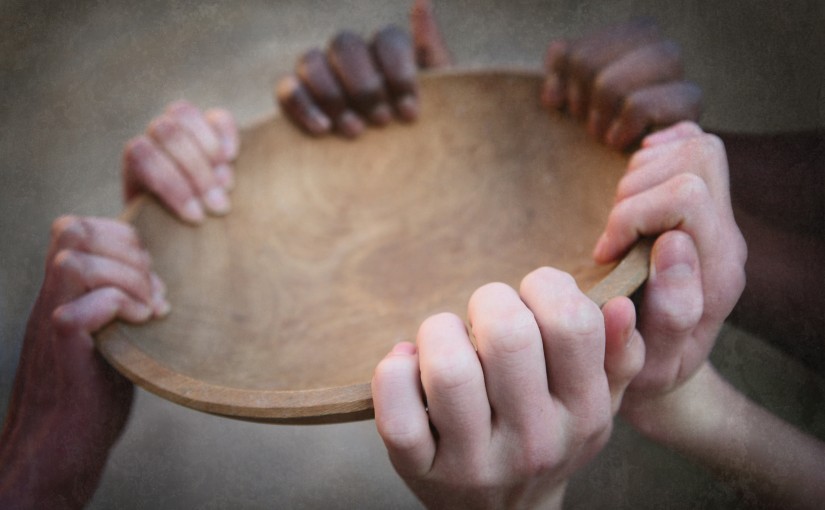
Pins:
<point x="335" y="250"/>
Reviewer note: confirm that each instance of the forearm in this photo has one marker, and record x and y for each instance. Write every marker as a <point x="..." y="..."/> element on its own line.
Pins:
<point x="777" y="187"/>
<point x="770" y="462"/>
<point x="783" y="301"/>
<point x="779" y="178"/>
<point x="32" y="476"/>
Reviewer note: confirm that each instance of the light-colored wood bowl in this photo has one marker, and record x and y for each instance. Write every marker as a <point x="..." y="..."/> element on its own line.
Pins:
<point x="335" y="250"/>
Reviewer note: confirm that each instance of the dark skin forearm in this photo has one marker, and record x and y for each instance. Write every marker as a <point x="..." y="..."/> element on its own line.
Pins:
<point x="780" y="179"/>
<point x="778" y="194"/>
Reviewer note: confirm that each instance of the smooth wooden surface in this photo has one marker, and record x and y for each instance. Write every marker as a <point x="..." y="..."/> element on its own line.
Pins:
<point x="335" y="250"/>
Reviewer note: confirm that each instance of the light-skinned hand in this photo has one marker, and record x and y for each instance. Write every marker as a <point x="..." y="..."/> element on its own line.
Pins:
<point x="185" y="159"/>
<point x="505" y="425"/>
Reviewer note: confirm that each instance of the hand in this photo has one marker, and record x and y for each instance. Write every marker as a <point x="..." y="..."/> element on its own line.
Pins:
<point x="68" y="406"/>
<point x="624" y="80"/>
<point x="677" y="186"/>
<point x="356" y="82"/>
<point x="184" y="159"/>
<point x="506" y="426"/>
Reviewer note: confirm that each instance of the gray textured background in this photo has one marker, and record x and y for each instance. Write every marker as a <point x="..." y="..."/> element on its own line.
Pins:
<point x="79" y="78"/>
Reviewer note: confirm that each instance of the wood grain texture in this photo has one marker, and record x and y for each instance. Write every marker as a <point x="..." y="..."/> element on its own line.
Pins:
<point x="335" y="250"/>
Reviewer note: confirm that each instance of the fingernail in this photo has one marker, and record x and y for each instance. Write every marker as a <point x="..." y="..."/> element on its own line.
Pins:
<point x="160" y="306"/>
<point x="225" y="177"/>
<point x="143" y="312"/>
<point x="601" y="246"/>
<point x="612" y="136"/>
<point x="408" y="107"/>
<point x="593" y="120"/>
<point x="405" y="348"/>
<point x="551" y="94"/>
<point x="350" y="124"/>
<point x="671" y="261"/>
<point x="147" y="259"/>
<point x="318" y="122"/>
<point x="162" y="309"/>
<point x="381" y="114"/>
<point x="158" y="287"/>
<point x="192" y="211"/>
<point x="230" y="147"/>
<point x="217" y="201"/>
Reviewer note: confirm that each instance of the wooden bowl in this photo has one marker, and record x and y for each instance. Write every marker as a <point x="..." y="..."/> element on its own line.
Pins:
<point x="335" y="250"/>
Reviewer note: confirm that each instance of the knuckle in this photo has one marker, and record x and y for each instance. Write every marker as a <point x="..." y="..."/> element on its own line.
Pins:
<point x="578" y="316"/>
<point x="67" y="261"/>
<point x="534" y="461"/>
<point x="712" y="144"/>
<point x="573" y="312"/>
<point x="64" y="319"/>
<point x="689" y="188"/>
<point x="72" y="232"/>
<point x="594" y="444"/>
<point x="310" y="64"/>
<point x="539" y="451"/>
<point x="434" y="324"/>
<point x="182" y="107"/>
<point x="450" y="373"/>
<point x="136" y="150"/>
<point x="401" y="433"/>
<point x="510" y="332"/>
<point x="739" y="280"/>
<point x="633" y="106"/>
<point x="741" y="249"/>
<point x="607" y="91"/>
<point x="545" y="277"/>
<point x="62" y="224"/>
<point x="384" y="371"/>
<point x="346" y="40"/>
<point x="368" y="93"/>
<point x="163" y="127"/>
<point x="626" y="184"/>
<point x="582" y="64"/>
<point x="592" y="421"/>
<point x="393" y="33"/>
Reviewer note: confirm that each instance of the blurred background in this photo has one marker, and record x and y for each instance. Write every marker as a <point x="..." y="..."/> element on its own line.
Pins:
<point x="77" y="79"/>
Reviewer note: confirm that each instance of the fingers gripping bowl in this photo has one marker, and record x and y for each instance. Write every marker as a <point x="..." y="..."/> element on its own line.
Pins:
<point x="337" y="250"/>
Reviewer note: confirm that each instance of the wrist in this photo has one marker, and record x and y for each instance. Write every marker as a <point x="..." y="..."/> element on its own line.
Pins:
<point x="663" y="416"/>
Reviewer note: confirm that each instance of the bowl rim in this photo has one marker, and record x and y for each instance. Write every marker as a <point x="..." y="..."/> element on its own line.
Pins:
<point x="322" y="405"/>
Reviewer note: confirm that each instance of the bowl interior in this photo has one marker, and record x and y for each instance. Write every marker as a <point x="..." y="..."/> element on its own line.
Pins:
<point x="335" y="250"/>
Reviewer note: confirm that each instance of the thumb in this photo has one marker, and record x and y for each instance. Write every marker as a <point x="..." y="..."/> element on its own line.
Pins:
<point x="430" y="50"/>
<point x="671" y="309"/>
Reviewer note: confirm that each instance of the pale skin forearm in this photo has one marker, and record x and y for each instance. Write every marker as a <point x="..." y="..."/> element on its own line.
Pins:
<point x="770" y="462"/>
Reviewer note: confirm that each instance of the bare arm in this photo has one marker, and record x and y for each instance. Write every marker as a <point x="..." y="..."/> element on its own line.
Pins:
<point x="778" y="195"/>
<point x="678" y="399"/>
<point x="768" y="461"/>
<point x="68" y="406"/>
